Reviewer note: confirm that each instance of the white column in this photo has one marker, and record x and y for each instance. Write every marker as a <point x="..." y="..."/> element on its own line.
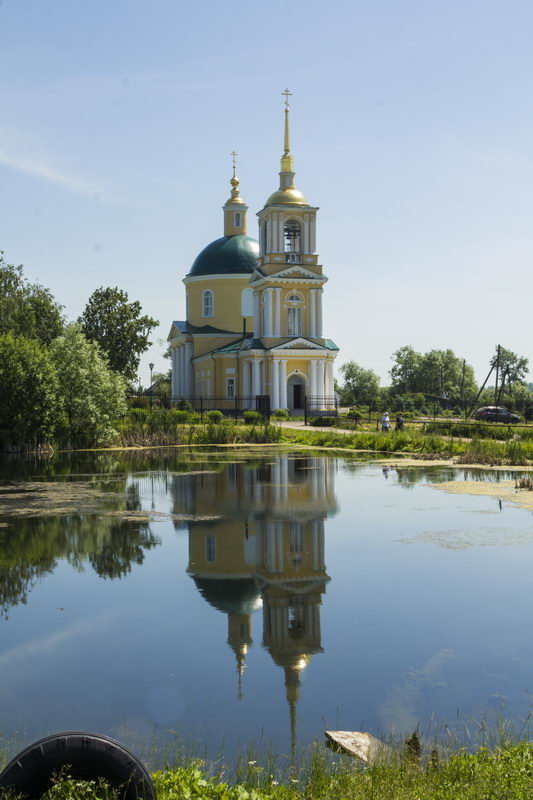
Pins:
<point x="183" y="372"/>
<point x="188" y="369"/>
<point x="320" y="377"/>
<point x="179" y="383"/>
<point x="312" y="379"/>
<point x="319" y="315"/>
<point x="174" y="373"/>
<point x="330" y="385"/>
<point x="268" y="312"/>
<point x="283" y="383"/>
<point x="274" y="383"/>
<point x="284" y="475"/>
<point x="315" y="546"/>
<point x="270" y="547"/>
<point x="256" y="377"/>
<point x="312" y="313"/>
<point x="279" y="537"/>
<point x="246" y="379"/>
<point x="277" y="312"/>
<point x="257" y="313"/>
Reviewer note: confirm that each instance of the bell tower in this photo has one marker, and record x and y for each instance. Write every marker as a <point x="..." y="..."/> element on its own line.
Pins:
<point x="289" y="297"/>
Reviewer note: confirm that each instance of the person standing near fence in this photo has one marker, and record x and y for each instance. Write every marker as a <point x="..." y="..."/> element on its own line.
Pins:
<point x="385" y="423"/>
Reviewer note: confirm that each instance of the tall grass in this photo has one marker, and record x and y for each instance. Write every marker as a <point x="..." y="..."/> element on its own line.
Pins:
<point x="516" y="451"/>
<point x="160" y="427"/>
<point x="504" y="772"/>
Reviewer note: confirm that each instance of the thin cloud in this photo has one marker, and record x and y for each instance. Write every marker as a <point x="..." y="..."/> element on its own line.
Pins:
<point x="38" y="168"/>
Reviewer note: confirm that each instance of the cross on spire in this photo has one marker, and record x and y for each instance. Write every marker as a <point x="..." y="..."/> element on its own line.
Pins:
<point x="234" y="155"/>
<point x="287" y="94"/>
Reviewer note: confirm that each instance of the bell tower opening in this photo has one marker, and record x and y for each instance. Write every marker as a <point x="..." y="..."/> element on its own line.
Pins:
<point x="292" y="241"/>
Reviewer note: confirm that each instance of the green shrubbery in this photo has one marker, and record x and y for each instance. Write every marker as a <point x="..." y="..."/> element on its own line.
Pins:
<point x="280" y="413"/>
<point x="502" y="773"/>
<point x="252" y="417"/>
<point x="214" y="416"/>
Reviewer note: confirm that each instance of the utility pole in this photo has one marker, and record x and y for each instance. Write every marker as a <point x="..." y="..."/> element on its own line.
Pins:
<point x="463" y="388"/>
<point x="497" y="375"/>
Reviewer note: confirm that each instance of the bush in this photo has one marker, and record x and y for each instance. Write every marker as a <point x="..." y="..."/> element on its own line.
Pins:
<point x="181" y="416"/>
<point x="322" y="422"/>
<point x="214" y="416"/>
<point x="281" y="413"/>
<point x="354" y="414"/>
<point x="252" y="417"/>
<point x="139" y="401"/>
<point x="183" y="405"/>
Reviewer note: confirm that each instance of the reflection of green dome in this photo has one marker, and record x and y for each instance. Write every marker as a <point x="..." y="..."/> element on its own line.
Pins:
<point x="230" y="254"/>
<point x="237" y="596"/>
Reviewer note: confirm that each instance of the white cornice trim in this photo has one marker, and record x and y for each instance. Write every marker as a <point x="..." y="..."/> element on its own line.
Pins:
<point x="208" y="278"/>
<point x="288" y="208"/>
<point x="275" y="279"/>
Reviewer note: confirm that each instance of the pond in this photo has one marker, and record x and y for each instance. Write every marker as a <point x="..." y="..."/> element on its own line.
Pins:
<point x="225" y="596"/>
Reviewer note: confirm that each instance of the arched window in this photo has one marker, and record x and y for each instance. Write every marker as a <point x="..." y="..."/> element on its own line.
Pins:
<point x="294" y="314"/>
<point x="292" y="241"/>
<point x="207" y="303"/>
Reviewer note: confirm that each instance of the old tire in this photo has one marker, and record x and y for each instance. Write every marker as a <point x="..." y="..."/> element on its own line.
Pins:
<point x="85" y="756"/>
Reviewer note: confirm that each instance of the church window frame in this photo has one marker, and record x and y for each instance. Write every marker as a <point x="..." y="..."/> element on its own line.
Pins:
<point x="230" y="387"/>
<point x="295" y="304"/>
<point x="210" y="548"/>
<point x="237" y="219"/>
<point x="208" y="303"/>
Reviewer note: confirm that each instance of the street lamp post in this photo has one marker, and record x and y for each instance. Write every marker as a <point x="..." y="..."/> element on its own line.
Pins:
<point x="151" y="385"/>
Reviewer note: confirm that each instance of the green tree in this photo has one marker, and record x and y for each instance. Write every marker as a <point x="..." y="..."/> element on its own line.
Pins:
<point x="438" y="372"/>
<point x="405" y="370"/>
<point x="361" y="386"/>
<point x="118" y="327"/>
<point x="29" y="405"/>
<point x="441" y="373"/>
<point x="92" y="395"/>
<point x="513" y="366"/>
<point x="27" y="309"/>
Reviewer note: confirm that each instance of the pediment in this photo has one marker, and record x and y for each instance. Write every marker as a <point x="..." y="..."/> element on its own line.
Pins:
<point x="298" y="344"/>
<point x="296" y="271"/>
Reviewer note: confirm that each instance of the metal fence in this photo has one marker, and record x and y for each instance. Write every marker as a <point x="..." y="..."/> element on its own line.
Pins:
<point x="229" y="406"/>
<point x="320" y="406"/>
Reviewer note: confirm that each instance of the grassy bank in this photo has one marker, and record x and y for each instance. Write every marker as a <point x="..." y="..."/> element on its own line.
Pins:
<point x="503" y="773"/>
<point x="516" y="452"/>
<point x="142" y="428"/>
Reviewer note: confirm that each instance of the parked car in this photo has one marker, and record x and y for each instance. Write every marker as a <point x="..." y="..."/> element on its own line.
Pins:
<point x="496" y="414"/>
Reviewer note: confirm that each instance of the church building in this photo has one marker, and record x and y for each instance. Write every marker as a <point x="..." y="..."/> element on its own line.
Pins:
<point x="254" y="309"/>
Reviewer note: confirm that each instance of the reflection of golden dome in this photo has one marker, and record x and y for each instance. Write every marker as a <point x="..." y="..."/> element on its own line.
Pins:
<point x="289" y="196"/>
<point x="292" y="661"/>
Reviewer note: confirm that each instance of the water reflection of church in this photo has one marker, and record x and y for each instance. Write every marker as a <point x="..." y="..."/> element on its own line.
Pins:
<point x="266" y="550"/>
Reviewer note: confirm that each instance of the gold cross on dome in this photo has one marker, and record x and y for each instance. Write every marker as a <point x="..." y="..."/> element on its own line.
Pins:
<point x="234" y="155"/>
<point x="287" y="94"/>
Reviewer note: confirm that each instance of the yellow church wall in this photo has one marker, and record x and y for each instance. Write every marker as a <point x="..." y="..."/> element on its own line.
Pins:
<point x="226" y="303"/>
<point x="225" y="368"/>
<point x="226" y="548"/>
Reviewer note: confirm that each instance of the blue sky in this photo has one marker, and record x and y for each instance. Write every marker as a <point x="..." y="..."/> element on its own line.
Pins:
<point x="411" y="129"/>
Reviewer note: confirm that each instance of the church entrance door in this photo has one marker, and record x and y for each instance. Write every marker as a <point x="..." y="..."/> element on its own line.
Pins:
<point x="296" y="393"/>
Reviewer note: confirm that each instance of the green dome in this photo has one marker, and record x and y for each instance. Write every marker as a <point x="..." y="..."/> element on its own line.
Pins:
<point x="230" y="595"/>
<point x="228" y="255"/>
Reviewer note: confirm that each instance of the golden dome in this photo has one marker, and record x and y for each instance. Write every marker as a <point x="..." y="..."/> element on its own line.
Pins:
<point x="290" y="196"/>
